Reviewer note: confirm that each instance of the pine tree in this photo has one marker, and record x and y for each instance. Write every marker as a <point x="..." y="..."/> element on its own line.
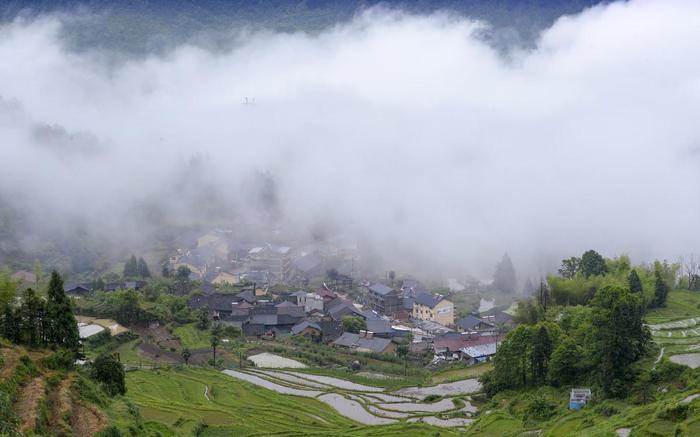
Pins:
<point x="635" y="284"/>
<point x="142" y="268"/>
<point x="61" y="327"/>
<point x="541" y="352"/>
<point x="9" y="325"/>
<point x="100" y="284"/>
<point x="30" y="318"/>
<point x="660" y="291"/>
<point x="131" y="268"/>
<point x="544" y="296"/>
<point x="504" y="278"/>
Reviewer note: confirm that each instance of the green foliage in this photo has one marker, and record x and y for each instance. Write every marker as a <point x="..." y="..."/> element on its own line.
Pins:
<point x="203" y="321"/>
<point x="142" y="269"/>
<point x="523" y="357"/>
<point x="353" y="324"/>
<point x="539" y="408"/>
<point x="593" y="264"/>
<point x="570" y="267"/>
<point x="675" y="413"/>
<point x="597" y="343"/>
<point x="183" y="273"/>
<point x="565" y="364"/>
<point x="619" y="339"/>
<point x="634" y="283"/>
<point x="62" y="359"/>
<point x="61" y="328"/>
<point x="8" y="419"/>
<point x="89" y="391"/>
<point x="131" y="268"/>
<point x="8" y="290"/>
<point x="660" y="291"/>
<point x="186" y="354"/>
<point x="110" y="431"/>
<point x="107" y="370"/>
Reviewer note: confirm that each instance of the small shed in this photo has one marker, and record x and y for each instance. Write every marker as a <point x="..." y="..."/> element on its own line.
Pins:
<point x="579" y="398"/>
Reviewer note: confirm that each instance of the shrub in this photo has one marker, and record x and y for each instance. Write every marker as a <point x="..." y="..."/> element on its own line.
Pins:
<point x="110" y="431"/>
<point x="110" y="373"/>
<point x="539" y="409"/>
<point x="675" y="413"/>
<point x="62" y="359"/>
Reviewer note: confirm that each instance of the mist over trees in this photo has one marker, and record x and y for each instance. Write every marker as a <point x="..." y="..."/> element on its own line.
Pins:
<point x="36" y="321"/>
<point x="504" y="279"/>
<point x="81" y="151"/>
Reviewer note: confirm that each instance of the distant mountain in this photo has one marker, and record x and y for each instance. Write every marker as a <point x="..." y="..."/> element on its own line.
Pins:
<point x="139" y="26"/>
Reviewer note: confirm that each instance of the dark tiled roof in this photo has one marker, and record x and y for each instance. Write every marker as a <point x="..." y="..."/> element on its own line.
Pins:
<point x="380" y="289"/>
<point x="429" y="300"/>
<point x="354" y="341"/>
<point x="77" y="288"/>
<point x="299" y="327"/>
<point x="264" y="319"/>
<point x="379" y="326"/>
<point x="247" y="295"/>
<point x="468" y="323"/>
<point x="339" y="308"/>
<point x="497" y="318"/>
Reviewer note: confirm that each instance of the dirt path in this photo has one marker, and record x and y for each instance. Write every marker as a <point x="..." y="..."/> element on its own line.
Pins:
<point x="27" y="405"/>
<point x="10" y="359"/>
<point x="60" y="404"/>
<point x="86" y="421"/>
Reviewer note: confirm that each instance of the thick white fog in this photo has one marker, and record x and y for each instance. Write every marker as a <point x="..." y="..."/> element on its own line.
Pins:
<point x="409" y="131"/>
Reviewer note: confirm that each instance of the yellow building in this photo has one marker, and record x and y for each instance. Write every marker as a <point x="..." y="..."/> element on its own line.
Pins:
<point x="433" y="307"/>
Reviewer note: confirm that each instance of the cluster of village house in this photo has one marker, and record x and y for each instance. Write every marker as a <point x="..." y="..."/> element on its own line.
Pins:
<point x="391" y="312"/>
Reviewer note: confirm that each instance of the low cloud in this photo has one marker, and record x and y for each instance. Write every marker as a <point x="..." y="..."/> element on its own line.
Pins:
<point x="409" y="131"/>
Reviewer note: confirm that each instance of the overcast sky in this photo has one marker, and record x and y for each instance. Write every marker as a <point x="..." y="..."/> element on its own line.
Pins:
<point x="407" y="130"/>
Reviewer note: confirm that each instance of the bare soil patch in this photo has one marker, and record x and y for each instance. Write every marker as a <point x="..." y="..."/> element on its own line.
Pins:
<point x="10" y="359"/>
<point x="87" y="420"/>
<point x="60" y="404"/>
<point x="27" y="405"/>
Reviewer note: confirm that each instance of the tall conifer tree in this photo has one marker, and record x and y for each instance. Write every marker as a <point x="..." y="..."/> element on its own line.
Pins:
<point x="61" y="327"/>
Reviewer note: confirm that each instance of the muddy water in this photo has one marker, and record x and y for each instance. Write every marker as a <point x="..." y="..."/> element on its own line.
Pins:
<point x="464" y="386"/>
<point x="335" y="382"/>
<point x="291" y="378"/>
<point x="437" y="407"/>
<point x="271" y="385"/>
<point x="690" y="360"/>
<point x="353" y="410"/>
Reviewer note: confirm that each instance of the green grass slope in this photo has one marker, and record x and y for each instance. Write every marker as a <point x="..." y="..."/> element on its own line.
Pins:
<point x="173" y="403"/>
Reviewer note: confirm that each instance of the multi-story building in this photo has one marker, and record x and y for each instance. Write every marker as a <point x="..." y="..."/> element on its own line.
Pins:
<point x="433" y="307"/>
<point x="384" y="299"/>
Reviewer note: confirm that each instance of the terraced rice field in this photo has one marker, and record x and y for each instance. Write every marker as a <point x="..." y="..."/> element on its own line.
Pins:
<point x="676" y="327"/>
<point x="370" y="405"/>
<point x="678" y="336"/>
<point x="173" y="402"/>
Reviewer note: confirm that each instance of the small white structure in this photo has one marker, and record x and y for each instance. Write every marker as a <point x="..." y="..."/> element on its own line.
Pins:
<point x="87" y="331"/>
<point x="579" y="398"/>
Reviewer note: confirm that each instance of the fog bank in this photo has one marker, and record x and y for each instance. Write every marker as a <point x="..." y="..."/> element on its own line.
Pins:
<point x="408" y="131"/>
